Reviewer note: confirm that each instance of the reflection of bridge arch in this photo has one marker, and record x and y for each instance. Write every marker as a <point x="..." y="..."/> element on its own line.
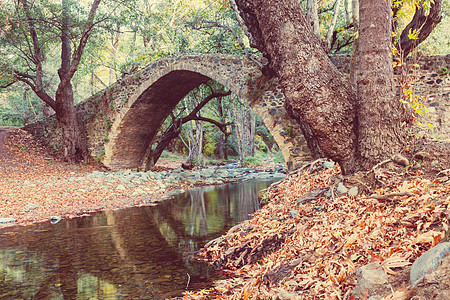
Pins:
<point x="125" y="250"/>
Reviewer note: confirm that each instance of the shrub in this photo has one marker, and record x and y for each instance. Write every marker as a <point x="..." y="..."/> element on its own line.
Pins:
<point x="251" y="161"/>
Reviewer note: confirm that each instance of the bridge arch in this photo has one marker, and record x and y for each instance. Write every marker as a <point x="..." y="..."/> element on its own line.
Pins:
<point x="154" y="91"/>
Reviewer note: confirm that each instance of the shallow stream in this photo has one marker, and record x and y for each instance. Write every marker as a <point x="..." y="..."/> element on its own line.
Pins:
<point x="136" y="253"/>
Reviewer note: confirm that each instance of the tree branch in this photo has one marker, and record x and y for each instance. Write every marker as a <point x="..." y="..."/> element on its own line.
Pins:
<point x="40" y="92"/>
<point x="202" y="104"/>
<point x="174" y="130"/>
<point x="37" y="59"/>
<point x="7" y="85"/>
<point x="422" y="24"/>
<point x="83" y="41"/>
<point x="221" y="126"/>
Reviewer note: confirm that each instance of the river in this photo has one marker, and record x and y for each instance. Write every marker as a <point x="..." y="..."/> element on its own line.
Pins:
<point x="135" y="253"/>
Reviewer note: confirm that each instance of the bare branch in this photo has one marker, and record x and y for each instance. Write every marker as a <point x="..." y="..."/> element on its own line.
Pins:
<point x="83" y="41"/>
<point x="29" y="80"/>
<point x="7" y="85"/>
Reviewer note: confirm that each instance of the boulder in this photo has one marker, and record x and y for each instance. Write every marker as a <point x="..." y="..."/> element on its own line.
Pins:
<point x="428" y="262"/>
<point x="373" y="279"/>
<point x="341" y="188"/>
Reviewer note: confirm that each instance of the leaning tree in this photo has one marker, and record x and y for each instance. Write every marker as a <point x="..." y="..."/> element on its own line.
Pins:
<point x="28" y="37"/>
<point x="355" y="128"/>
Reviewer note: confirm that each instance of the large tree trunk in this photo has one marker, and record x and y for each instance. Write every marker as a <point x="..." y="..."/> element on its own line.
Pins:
<point x="380" y="114"/>
<point x="355" y="133"/>
<point x="317" y="95"/>
<point x="74" y="150"/>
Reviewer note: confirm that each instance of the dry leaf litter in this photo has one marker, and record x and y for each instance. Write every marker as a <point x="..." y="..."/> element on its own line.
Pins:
<point x="307" y="242"/>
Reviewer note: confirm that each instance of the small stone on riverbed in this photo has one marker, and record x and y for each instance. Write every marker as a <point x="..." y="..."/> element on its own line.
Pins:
<point x="7" y="220"/>
<point x="341" y="188"/>
<point x="31" y="206"/>
<point x="54" y="219"/>
<point x="353" y="191"/>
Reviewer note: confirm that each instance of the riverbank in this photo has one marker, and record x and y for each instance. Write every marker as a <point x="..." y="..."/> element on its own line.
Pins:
<point x="326" y="236"/>
<point x="37" y="187"/>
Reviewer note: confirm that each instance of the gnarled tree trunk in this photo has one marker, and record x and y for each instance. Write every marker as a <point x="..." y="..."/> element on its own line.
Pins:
<point x="355" y="133"/>
<point x="74" y="150"/>
<point x="317" y="95"/>
<point x="380" y="114"/>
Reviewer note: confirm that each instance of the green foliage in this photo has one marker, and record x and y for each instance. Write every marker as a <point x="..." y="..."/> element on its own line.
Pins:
<point x="278" y="157"/>
<point x="289" y="130"/>
<point x="261" y="145"/>
<point x="260" y="155"/>
<point x="108" y="123"/>
<point x="106" y="139"/>
<point x="10" y="118"/>
<point x="100" y="157"/>
<point x="209" y="144"/>
<point x="172" y="155"/>
<point x="251" y="161"/>
<point x="444" y="71"/>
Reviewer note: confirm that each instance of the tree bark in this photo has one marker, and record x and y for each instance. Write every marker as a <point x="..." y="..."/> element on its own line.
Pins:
<point x="355" y="132"/>
<point x="74" y="150"/>
<point x="317" y="95"/>
<point x="312" y="15"/>
<point x="353" y="64"/>
<point x="221" y="143"/>
<point x="114" y="49"/>
<point x="348" y="14"/>
<point x="380" y="114"/>
<point x="337" y="6"/>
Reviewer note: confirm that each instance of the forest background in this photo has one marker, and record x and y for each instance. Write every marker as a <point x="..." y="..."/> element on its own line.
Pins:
<point x="134" y="33"/>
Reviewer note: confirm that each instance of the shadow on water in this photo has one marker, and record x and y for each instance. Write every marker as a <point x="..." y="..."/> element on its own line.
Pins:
<point x="137" y="253"/>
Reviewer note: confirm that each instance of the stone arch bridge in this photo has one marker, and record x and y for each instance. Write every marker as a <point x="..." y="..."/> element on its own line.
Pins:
<point x="120" y="123"/>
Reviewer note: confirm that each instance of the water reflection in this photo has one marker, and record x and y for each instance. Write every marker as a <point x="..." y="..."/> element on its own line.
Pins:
<point x="135" y="253"/>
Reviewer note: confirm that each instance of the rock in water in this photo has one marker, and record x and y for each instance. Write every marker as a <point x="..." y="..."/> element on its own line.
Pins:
<point x="54" y="219"/>
<point x="400" y="160"/>
<point x="30" y="206"/>
<point x="187" y="166"/>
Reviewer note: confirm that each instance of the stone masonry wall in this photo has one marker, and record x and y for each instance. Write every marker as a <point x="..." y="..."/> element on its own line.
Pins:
<point x="101" y="116"/>
<point x="429" y="81"/>
<point x="105" y="117"/>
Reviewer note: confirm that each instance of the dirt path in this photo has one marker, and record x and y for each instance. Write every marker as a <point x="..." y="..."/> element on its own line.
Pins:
<point x="34" y="185"/>
<point x="4" y="152"/>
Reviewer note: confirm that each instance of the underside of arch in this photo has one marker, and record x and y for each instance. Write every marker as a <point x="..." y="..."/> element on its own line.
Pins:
<point x="132" y="135"/>
<point x="141" y="123"/>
